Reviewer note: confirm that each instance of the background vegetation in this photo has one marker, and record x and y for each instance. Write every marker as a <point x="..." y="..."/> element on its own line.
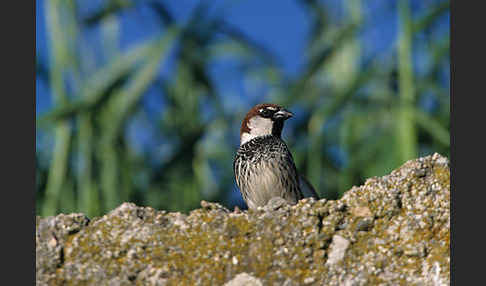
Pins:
<point x="151" y="123"/>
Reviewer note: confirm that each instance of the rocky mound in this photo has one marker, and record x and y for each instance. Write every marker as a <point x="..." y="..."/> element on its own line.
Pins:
<point x="393" y="230"/>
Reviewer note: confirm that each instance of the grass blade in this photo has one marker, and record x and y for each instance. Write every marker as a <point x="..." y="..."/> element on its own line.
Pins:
<point x="62" y="135"/>
<point x="406" y="137"/>
<point x="117" y="110"/>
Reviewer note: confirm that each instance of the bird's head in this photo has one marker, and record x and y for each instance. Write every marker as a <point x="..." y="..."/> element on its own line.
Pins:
<point x="263" y="119"/>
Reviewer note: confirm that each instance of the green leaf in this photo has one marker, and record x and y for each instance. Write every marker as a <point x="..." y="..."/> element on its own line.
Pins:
<point x="95" y="88"/>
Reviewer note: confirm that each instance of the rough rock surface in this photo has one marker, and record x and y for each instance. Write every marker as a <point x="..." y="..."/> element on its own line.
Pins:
<point x="393" y="230"/>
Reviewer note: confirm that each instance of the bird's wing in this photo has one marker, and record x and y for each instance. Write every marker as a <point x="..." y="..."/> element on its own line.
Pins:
<point x="307" y="189"/>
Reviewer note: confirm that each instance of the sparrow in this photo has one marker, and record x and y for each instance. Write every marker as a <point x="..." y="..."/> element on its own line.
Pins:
<point x="263" y="165"/>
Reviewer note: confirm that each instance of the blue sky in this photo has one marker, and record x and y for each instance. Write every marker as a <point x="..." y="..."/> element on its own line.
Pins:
<point x="282" y="33"/>
<point x="281" y="26"/>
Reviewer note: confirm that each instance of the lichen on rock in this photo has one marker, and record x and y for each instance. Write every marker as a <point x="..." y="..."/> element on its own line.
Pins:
<point x="393" y="230"/>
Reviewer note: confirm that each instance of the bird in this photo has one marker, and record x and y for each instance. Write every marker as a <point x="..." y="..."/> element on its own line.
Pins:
<point x="263" y="166"/>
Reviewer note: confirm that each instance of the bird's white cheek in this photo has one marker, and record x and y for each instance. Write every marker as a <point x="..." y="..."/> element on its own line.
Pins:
<point x="258" y="126"/>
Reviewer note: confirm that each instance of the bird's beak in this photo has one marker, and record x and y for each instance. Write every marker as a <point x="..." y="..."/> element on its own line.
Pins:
<point x="283" y="114"/>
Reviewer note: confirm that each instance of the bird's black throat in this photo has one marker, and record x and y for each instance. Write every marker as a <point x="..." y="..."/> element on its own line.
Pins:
<point x="277" y="128"/>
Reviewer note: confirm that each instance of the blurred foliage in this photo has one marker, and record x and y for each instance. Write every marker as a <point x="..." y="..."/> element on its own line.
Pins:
<point x="357" y="116"/>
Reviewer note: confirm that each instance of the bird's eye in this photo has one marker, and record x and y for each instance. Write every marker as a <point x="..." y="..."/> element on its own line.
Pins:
<point x="265" y="112"/>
